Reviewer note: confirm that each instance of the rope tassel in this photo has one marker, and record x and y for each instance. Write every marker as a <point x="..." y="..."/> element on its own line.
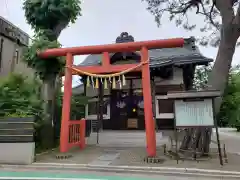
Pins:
<point x="114" y="83"/>
<point x="92" y="81"/>
<point x="120" y="82"/>
<point x="88" y="81"/>
<point x="123" y="80"/>
<point x="91" y="76"/>
<point x="96" y="83"/>
<point x="105" y="83"/>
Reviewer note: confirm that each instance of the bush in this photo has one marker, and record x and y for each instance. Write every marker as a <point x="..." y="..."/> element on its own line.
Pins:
<point x="20" y="97"/>
<point x="229" y="114"/>
<point x="230" y="108"/>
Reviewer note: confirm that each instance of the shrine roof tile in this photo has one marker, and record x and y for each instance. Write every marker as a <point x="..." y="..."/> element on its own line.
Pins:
<point x="161" y="57"/>
<point x="189" y="54"/>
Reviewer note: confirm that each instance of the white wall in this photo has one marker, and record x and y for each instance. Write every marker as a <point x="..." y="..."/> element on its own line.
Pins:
<point x="10" y="63"/>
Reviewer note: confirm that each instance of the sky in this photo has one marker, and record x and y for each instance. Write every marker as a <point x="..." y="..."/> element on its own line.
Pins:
<point x="102" y="21"/>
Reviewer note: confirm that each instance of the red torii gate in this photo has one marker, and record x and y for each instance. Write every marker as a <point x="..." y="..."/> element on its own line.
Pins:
<point x="106" y="67"/>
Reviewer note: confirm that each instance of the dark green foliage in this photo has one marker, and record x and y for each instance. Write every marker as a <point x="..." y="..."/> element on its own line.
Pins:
<point x="47" y="14"/>
<point x="48" y="18"/>
<point x="19" y="96"/>
<point x="230" y="109"/>
<point x="45" y="68"/>
<point x="77" y="105"/>
<point x="229" y="114"/>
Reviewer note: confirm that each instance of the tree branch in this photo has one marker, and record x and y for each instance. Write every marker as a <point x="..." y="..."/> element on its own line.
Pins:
<point x="237" y="17"/>
<point x="225" y="8"/>
<point x="58" y="29"/>
<point x="209" y="14"/>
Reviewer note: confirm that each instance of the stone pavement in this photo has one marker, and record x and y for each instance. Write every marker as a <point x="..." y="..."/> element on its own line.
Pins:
<point x="122" y="139"/>
<point x="230" y="138"/>
<point x="128" y="148"/>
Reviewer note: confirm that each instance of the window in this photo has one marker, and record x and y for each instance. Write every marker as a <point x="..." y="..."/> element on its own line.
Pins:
<point x="16" y="56"/>
<point x="165" y="106"/>
<point x="1" y="52"/>
<point x="15" y="59"/>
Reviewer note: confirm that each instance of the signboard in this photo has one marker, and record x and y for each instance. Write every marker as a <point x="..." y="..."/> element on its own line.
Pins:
<point x="194" y="113"/>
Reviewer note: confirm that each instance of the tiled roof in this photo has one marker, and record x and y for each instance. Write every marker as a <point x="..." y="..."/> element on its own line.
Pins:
<point x="160" y="57"/>
<point x="189" y="54"/>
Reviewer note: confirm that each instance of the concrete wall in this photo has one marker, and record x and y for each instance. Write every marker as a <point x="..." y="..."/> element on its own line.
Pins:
<point x="9" y="62"/>
<point x="17" y="153"/>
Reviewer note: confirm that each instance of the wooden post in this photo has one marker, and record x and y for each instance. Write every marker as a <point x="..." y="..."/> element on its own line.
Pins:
<point x="82" y="133"/>
<point x="101" y="104"/>
<point x="147" y="99"/>
<point x="66" y="105"/>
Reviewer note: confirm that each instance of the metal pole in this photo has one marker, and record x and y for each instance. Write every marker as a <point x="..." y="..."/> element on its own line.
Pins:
<point x="217" y="134"/>
<point x="99" y="110"/>
<point x="98" y="116"/>
<point x="101" y="105"/>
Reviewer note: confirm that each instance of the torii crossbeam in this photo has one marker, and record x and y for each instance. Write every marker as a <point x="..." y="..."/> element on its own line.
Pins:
<point x="105" y="68"/>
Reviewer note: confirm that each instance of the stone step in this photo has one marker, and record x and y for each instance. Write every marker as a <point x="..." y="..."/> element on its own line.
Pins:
<point x="121" y="139"/>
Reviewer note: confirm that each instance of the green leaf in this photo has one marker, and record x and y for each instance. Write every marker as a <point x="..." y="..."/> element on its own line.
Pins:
<point x="46" y="14"/>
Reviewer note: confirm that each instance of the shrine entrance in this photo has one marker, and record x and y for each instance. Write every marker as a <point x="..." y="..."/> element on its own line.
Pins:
<point x="126" y="110"/>
<point x="108" y="71"/>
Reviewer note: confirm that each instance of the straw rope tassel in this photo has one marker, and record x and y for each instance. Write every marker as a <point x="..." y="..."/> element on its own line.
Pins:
<point x="92" y="81"/>
<point x="96" y="83"/>
<point x="88" y="81"/>
<point x="123" y="80"/>
<point x="105" y="83"/>
<point x="114" y="83"/>
<point x="120" y="82"/>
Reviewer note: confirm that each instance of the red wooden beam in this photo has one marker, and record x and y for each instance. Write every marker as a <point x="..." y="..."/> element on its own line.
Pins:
<point x="105" y="59"/>
<point x="105" y="69"/>
<point x="112" y="48"/>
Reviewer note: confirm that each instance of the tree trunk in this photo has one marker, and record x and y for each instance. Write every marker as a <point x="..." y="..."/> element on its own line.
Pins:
<point x="199" y="139"/>
<point x="47" y="129"/>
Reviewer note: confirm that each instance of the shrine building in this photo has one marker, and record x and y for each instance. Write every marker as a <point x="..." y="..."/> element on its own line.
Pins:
<point x="171" y="69"/>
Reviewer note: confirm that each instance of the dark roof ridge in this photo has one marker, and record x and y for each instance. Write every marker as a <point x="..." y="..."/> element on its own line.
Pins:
<point x="189" y="52"/>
